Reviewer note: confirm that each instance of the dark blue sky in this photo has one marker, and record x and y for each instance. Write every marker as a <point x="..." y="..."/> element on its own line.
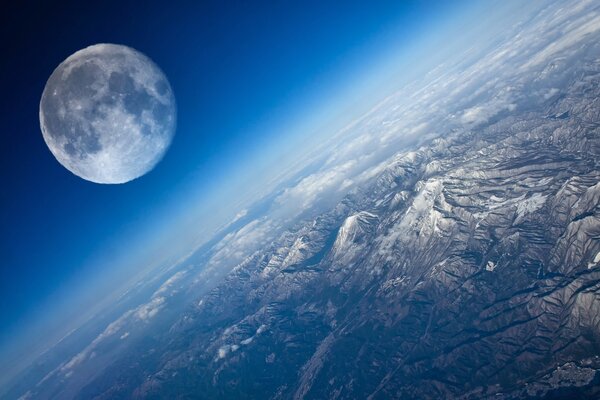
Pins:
<point x="236" y="67"/>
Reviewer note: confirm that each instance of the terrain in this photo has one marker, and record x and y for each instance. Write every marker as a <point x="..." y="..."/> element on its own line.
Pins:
<point x="445" y="245"/>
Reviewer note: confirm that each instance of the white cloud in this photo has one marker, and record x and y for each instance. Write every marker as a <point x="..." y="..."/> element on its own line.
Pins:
<point x="303" y="195"/>
<point x="149" y="310"/>
<point x="575" y="32"/>
<point x="222" y="352"/>
<point x="481" y="114"/>
<point x="169" y="283"/>
<point x="240" y="244"/>
<point x="442" y="101"/>
<point x="247" y="341"/>
<point x="239" y="215"/>
<point x="143" y="312"/>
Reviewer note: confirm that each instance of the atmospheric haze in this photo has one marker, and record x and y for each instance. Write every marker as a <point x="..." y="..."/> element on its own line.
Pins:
<point x="444" y="244"/>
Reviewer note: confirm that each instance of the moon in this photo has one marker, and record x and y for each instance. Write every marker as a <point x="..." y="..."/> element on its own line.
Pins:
<point x="108" y="113"/>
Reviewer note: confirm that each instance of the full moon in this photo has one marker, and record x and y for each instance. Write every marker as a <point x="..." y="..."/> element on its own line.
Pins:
<point x="108" y="113"/>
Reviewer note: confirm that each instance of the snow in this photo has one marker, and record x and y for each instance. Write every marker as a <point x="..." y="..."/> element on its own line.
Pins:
<point x="353" y="227"/>
<point x="595" y="261"/>
<point x="531" y="204"/>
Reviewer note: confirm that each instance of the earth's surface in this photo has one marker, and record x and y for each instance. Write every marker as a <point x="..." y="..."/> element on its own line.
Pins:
<point x="446" y="245"/>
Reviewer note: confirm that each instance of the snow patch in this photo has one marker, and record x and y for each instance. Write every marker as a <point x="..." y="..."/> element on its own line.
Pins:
<point x="530" y="205"/>
<point x="595" y="261"/>
<point x="350" y="234"/>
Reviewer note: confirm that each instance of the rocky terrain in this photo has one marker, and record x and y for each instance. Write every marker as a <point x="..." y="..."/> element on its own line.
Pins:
<point x="464" y="264"/>
<point x="472" y="272"/>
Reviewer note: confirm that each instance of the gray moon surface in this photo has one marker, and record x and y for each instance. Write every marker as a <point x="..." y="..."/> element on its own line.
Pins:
<point x="108" y="113"/>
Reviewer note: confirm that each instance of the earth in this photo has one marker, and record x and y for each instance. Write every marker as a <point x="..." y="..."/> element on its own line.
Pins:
<point x="445" y="245"/>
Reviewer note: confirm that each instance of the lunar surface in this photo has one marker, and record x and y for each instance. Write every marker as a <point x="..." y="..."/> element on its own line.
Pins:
<point x="108" y="113"/>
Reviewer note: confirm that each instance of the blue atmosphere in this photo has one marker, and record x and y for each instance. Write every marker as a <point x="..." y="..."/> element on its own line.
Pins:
<point x="300" y="200"/>
<point x="253" y="82"/>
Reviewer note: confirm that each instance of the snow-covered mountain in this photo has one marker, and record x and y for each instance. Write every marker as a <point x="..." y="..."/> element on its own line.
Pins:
<point x="445" y="245"/>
